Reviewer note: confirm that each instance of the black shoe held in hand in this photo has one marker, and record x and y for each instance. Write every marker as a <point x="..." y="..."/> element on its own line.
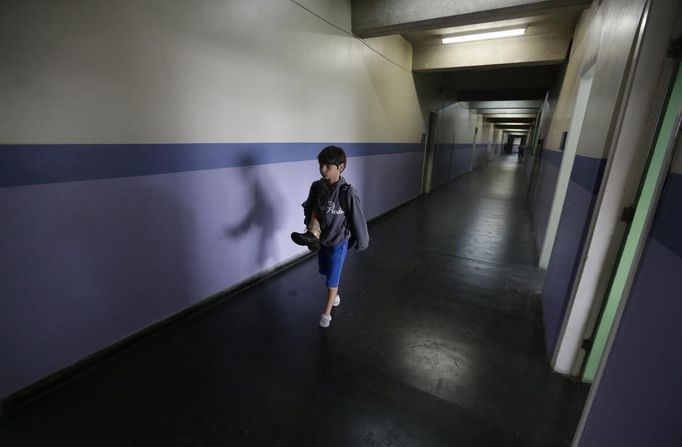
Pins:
<point x="308" y="239"/>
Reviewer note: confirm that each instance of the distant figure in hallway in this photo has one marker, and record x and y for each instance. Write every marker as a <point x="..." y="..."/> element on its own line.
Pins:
<point x="334" y="221"/>
<point x="522" y="149"/>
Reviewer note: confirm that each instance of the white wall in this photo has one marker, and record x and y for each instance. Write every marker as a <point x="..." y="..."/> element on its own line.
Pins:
<point x="87" y="263"/>
<point x="172" y="71"/>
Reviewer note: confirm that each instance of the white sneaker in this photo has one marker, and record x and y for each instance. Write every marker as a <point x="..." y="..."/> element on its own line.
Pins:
<point x="325" y="320"/>
<point x="337" y="300"/>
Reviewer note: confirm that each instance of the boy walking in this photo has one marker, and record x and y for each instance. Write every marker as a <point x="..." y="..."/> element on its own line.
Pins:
<point x="335" y="221"/>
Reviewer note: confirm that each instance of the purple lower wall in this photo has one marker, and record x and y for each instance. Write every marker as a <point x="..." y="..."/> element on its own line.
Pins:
<point x="542" y="194"/>
<point x="441" y="163"/>
<point x="575" y="219"/>
<point x="96" y="248"/>
<point x="450" y="161"/>
<point x="480" y="155"/>
<point x="640" y="391"/>
<point x="460" y="163"/>
<point x="528" y="163"/>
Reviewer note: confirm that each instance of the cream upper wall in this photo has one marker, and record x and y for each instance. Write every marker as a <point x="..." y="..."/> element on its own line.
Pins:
<point x="619" y="24"/>
<point x="396" y="48"/>
<point x="583" y="53"/>
<point x="499" y="136"/>
<point x="155" y="71"/>
<point x="456" y="124"/>
<point x="546" y="119"/>
<point x="603" y="38"/>
<point x="478" y="122"/>
<point x="337" y="12"/>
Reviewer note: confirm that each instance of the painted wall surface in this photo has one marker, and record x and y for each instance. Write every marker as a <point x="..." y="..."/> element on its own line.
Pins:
<point x="584" y="53"/>
<point x="155" y="153"/>
<point x="498" y="140"/>
<point x="600" y="283"/>
<point x="431" y="96"/>
<point x="581" y="195"/>
<point x="175" y="72"/>
<point x="637" y="402"/>
<point x="544" y="183"/>
<point x="604" y="39"/>
<point x="544" y="172"/>
<point x="453" y="157"/>
<point x="480" y="148"/>
<point x="556" y="119"/>
<point x="489" y="141"/>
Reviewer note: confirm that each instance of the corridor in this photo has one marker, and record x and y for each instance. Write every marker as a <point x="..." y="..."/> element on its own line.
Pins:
<point x="438" y="342"/>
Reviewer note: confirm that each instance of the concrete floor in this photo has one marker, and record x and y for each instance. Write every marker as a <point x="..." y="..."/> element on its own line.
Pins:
<point x="437" y="342"/>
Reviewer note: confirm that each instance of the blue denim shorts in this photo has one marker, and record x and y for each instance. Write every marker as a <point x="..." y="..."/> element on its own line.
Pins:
<point x="330" y="261"/>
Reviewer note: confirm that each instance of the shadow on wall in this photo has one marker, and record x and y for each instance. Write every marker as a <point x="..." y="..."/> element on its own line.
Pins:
<point x="260" y="213"/>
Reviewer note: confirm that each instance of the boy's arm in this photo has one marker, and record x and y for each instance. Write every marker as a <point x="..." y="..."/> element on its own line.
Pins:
<point x="358" y="222"/>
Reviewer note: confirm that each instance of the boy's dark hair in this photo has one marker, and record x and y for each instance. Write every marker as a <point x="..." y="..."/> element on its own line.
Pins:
<point x="332" y="155"/>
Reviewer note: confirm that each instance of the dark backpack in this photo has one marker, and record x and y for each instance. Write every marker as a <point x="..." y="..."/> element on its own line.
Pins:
<point x="343" y="201"/>
<point x="343" y="198"/>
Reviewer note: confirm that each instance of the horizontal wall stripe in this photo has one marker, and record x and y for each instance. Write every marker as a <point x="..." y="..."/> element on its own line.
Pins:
<point x="553" y="157"/>
<point x="576" y="215"/>
<point x="668" y="221"/>
<point x="587" y="172"/>
<point x="543" y="194"/>
<point x="453" y="146"/>
<point x="585" y="169"/>
<point x="55" y="163"/>
<point x="446" y="149"/>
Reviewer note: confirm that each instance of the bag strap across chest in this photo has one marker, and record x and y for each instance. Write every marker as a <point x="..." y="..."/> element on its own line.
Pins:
<point x="343" y="198"/>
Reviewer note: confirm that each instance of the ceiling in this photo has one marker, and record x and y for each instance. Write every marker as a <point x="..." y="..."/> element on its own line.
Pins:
<point x="558" y="23"/>
<point x="495" y="75"/>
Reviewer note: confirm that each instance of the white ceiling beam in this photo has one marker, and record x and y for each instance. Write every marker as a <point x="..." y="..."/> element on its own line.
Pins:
<point x="510" y="115"/>
<point x="521" y="104"/>
<point x="493" y="111"/>
<point x="526" y="50"/>
<point x="371" y="18"/>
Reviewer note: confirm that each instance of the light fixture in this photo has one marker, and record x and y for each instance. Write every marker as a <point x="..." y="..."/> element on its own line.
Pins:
<point x="484" y="36"/>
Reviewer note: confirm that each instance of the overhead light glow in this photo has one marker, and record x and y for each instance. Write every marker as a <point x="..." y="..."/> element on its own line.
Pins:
<point x="484" y="36"/>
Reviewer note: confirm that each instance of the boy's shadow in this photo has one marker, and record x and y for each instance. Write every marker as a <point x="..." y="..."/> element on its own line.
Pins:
<point x="261" y="212"/>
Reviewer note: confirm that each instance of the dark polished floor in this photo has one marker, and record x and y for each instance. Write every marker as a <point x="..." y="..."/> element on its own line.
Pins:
<point x="438" y="342"/>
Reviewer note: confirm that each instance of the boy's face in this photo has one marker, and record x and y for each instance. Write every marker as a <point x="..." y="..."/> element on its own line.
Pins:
<point x="331" y="173"/>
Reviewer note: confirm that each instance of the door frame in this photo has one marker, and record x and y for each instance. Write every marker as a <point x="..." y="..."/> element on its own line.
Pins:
<point x="429" y="153"/>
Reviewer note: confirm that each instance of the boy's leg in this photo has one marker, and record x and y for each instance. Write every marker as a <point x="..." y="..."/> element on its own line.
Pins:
<point x="336" y="257"/>
<point x="331" y="296"/>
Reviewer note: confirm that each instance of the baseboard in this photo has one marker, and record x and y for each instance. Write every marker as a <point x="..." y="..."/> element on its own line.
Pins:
<point x="25" y="395"/>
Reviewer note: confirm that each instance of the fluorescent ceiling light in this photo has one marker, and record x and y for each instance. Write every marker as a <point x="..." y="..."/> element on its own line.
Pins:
<point x="484" y="36"/>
